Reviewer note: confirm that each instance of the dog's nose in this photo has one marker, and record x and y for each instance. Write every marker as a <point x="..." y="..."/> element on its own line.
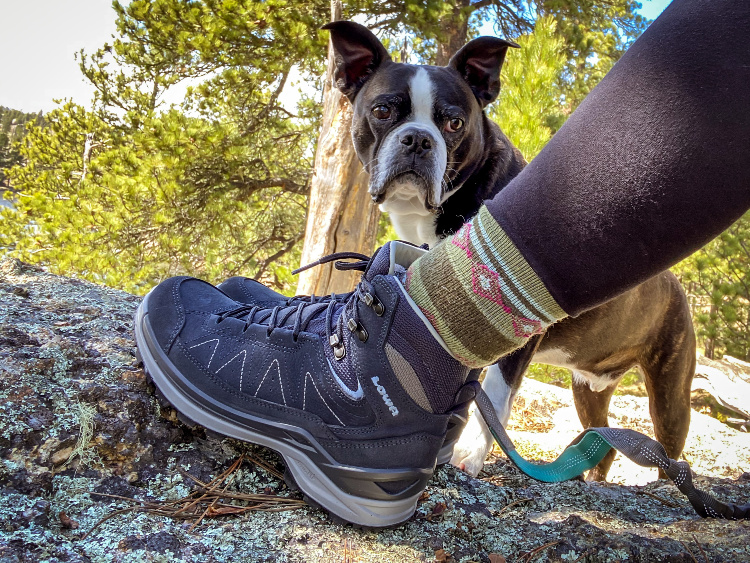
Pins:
<point x="415" y="140"/>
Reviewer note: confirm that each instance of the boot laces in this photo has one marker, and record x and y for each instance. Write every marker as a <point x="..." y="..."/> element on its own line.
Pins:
<point x="299" y="311"/>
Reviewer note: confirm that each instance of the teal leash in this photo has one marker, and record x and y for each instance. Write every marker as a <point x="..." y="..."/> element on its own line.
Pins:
<point x="590" y="447"/>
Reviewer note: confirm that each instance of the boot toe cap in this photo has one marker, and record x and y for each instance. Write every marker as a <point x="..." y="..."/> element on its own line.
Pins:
<point x="171" y="301"/>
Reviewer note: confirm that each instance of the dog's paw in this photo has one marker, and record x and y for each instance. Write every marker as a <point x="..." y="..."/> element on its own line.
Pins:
<point x="472" y="447"/>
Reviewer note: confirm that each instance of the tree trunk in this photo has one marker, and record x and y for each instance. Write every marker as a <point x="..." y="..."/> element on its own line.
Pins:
<point x="341" y="215"/>
<point x="727" y="380"/>
<point x="86" y="157"/>
<point x="453" y="31"/>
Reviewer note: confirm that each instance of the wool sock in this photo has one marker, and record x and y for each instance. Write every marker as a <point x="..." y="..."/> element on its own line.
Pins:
<point x="480" y="293"/>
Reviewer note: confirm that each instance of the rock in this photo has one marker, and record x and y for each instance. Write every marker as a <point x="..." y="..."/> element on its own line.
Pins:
<point x="67" y="369"/>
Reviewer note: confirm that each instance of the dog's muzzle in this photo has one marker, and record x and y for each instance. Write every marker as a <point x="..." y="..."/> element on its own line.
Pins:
<point x="396" y="181"/>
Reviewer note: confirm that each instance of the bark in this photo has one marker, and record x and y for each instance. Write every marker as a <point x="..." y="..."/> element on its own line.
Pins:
<point x="453" y="31"/>
<point x="341" y="216"/>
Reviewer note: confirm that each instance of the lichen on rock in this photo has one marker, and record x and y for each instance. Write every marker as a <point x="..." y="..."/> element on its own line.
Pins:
<point x="67" y="356"/>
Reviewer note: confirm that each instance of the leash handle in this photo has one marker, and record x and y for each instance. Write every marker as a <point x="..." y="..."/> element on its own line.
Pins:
<point x="590" y="447"/>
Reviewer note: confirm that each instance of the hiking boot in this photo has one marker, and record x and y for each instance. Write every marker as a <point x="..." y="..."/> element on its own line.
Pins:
<point x="356" y="395"/>
<point x="251" y="292"/>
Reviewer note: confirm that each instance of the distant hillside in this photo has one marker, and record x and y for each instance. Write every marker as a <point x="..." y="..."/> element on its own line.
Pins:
<point x="13" y="122"/>
<point x="12" y="129"/>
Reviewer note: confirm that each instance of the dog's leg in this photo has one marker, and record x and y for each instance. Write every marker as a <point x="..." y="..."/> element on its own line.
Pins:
<point x="670" y="411"/>
<point x="668" y="374"/>
<point x="476" y="441"/>
<point x="592" y="407"/>
<point x="501" y="383"/>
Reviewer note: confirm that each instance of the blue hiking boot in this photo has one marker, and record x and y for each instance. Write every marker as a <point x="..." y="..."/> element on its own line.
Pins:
<point x="356" y="395"/>
<point x="251" y="292"/>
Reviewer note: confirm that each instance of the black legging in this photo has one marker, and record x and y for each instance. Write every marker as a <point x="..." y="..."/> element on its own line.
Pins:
<point x="652" y="165"/>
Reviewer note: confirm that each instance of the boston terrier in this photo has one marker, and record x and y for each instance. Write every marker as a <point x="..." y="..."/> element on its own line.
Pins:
<point x="434" y="157"/>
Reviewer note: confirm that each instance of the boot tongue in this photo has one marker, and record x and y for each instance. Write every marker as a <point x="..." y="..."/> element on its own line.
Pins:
<point x="393" y="258"/>
<point x="380" y="263"/>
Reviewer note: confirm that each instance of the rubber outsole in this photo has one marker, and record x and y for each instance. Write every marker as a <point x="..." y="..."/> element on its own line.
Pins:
<point x="317" y="487"/>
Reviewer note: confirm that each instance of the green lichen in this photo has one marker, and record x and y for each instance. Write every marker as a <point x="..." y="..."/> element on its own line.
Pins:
<point x="86" y="454"/>
<point x="61" y="362"/>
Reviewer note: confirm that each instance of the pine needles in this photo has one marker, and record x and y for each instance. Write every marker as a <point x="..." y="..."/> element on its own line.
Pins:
<point x="208" y="500"/>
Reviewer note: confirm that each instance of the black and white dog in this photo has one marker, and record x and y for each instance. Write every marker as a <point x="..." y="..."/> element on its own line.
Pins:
<point x="433" y="157"/>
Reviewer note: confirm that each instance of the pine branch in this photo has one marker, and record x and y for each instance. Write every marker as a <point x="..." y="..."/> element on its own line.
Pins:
<point x="276" y="255"/>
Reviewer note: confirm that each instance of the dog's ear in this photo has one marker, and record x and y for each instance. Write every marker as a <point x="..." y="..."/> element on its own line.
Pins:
<point x="357" y="54"/>
<point x="479" y="62"/>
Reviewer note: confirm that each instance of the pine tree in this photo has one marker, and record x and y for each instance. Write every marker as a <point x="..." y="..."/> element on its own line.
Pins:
<point x="718" y="285"/>
<point x="134" y="191"/>
<point x="528" y="110"/>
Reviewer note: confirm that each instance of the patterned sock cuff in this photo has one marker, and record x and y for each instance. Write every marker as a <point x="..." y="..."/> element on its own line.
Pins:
<point x="480" y="294"/>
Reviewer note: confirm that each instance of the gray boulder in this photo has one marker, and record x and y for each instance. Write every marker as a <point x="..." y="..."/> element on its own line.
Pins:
<point x="81" y="431"/>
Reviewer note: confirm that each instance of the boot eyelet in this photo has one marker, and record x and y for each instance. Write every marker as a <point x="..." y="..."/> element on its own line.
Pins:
<point x="339" y="352"/>
<point x="362" y="334"/>
<point x="358" y="329"/>
<point x="374" y="303"/>
<point x="338" y="348"/>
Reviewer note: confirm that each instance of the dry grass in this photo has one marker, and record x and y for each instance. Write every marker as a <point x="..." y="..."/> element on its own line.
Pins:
<point x="532" y="416"/>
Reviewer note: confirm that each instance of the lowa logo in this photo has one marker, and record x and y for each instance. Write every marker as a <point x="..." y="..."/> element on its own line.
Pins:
<point x="384" y="394"/>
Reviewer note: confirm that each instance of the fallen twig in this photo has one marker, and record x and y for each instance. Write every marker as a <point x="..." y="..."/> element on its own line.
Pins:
<point x="689" y="552"/>
<point x="701" y="548"/>
<point x="527" y="557"/>
<point x="512" y="504"/>
<point x="669" y="503"/>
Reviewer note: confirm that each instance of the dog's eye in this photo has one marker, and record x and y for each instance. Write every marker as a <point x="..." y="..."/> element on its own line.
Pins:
<point x="381" y="112"/>
<point x="454" y="125"/>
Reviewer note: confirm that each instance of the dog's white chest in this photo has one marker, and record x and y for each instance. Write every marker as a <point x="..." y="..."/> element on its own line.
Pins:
<point x="407" y="213"/>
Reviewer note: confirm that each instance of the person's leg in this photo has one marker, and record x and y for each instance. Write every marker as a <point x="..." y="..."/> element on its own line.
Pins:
<point x="651" y="166"/>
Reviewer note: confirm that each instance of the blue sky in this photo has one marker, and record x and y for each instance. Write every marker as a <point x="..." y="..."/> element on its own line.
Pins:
<point x="40" y="37"/>
<point x="652" y="8"/>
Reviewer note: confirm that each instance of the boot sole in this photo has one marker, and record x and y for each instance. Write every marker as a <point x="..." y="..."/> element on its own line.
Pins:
<point x="316" y="484"/>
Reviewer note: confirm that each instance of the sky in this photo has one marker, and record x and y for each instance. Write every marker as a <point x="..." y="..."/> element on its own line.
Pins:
<point x="39" y="38"/>
<point x="38" y="41"/>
